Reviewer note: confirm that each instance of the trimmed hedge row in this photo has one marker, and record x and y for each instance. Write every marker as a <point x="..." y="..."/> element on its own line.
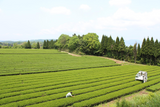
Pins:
<point x="77" y="89"/>
<point x="60" y="80"/>
<point x="154" y="88"/>
<point x="62" y="84"/>
<point x="10" y="80"/>
<point x="60" y="75"/>
<point x="82" y="85"/>
<point x="52" y="87"/>
<point x="78" y="97"/>
<point x="51" y="80"/>
<point x="65" y="102"/>
<point x="115" y="94"/>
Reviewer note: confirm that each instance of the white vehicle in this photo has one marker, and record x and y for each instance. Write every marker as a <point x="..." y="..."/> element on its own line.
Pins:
<point x="141" y="75"/>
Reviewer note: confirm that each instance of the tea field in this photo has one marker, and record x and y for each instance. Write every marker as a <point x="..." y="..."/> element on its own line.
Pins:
<point x="23" y="61"/>
<point x="91" y="86"/>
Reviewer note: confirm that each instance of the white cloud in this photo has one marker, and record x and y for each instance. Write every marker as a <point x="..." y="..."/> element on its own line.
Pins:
<point x="125" y="17"/>
<point x="84" y="7"/>
<point x="119" y="21"/>
<point x="57" y="10"/>
<point x="119" y="2"/>
<point x="0" y="10"/>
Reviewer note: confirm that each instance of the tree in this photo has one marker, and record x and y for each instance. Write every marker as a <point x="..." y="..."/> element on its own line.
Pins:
<point x="116" y="48"/>
<point x="102" y="47"/>
<point x="105" y="44"/>
<point x="121" y="48"/>
<point x="15" y="45"/>
<point x="47" y="45"/>
<point x="129" y="53"/>
<point x="138" y="52"/>
<point x="44" y="44"/>
<point x="38" y="45"/>
<point x="135" y="52"/>
<point x="63" y="41"/>
<point x="143" y="52"/>
<point x="28" y="45"/>
<point x="34" y="45"/>
<point x="151" y="50"/>
<point x="147" y="50"/>
<point x="156" y="51"/>
<point x="73" y="43"/>
<point x="92" y="43"/>
<point x="109" y="46"/>
<point x="74" y="34"/>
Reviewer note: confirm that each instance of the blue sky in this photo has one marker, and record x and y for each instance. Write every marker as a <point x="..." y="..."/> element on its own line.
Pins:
<point x="48" y="19"/>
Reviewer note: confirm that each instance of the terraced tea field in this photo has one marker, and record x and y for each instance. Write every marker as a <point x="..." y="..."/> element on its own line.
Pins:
<point x="90" y="86"/>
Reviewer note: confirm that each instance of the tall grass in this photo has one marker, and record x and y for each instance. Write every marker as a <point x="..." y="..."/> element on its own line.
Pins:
<point x="151" y="100"/>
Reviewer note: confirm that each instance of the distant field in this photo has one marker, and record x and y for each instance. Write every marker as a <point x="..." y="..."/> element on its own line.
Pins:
<point x="23" y="51"/>
<point x="19" y="61"/>
<point x="90" y="86"/>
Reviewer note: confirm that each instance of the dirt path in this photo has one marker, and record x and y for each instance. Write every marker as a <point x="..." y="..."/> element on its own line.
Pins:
<point x="72" y="54"/>
<point x="115" y="60"/>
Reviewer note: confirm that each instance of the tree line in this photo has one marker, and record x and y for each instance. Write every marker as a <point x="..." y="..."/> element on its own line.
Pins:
<point x="146" y="53"/>
<point x="21" y="45"/>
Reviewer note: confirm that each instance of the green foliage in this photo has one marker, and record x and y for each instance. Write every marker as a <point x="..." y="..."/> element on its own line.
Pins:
<point x="38" y="45"/>
<point x="143" y="52"/>
<point x="115" y="48"/>
<point x="44" y="44"/>
<point x="151" y="47"/>
<point x="63" y="41"/>
<point x="28" y="45"/>
<point x="34" y="45"/>
<point x="121" y="48"/>
<point x="135" y="52"/>
<point x="92" y="42"/>
<point x="129" y="55"/>
<point x="123" y="103"/>
<point x="73" y="43"/>
<point x="138" y="52"/>
<point x="102" y="46"/>
<point x="151" y="100"/>
<point x="154" y="88"/>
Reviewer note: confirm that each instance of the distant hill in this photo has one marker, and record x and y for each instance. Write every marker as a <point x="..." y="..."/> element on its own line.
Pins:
<point x="10" y="43"/>
<point x="36" y="40"/>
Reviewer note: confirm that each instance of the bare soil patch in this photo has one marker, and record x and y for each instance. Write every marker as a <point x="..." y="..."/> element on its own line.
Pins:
<point x="72" y="54"/>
